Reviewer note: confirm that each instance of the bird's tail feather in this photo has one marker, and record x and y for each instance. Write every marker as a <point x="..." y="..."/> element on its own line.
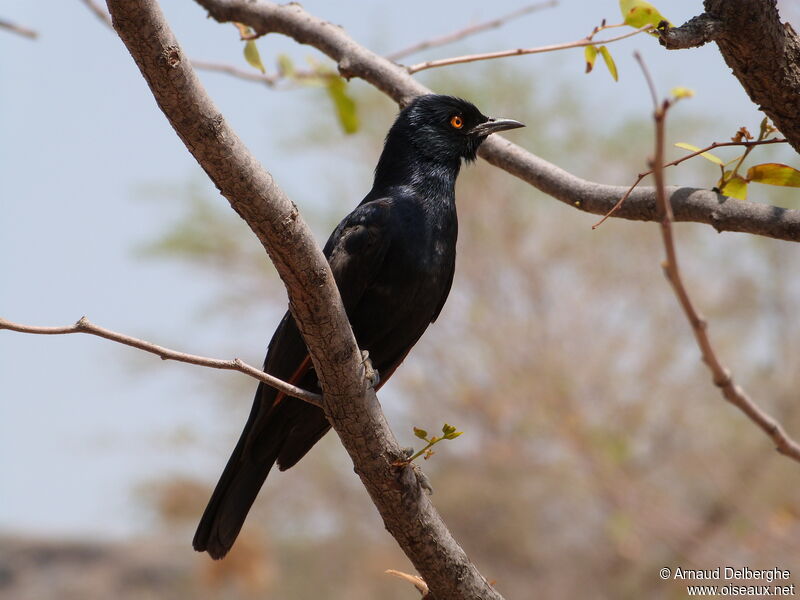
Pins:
<point x="241" y="480"/>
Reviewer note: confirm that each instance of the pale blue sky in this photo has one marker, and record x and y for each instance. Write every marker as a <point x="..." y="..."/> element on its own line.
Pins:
<point x="80" y="135"/>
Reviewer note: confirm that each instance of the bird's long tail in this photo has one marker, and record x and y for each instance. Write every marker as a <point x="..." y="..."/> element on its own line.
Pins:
<point x="279" y="429"/>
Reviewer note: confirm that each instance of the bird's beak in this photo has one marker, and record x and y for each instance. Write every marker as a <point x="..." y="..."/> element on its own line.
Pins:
<point x="494" y="125"/>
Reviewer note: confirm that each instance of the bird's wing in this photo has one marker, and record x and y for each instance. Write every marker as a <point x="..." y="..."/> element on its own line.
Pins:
<point x="357" y="248"/>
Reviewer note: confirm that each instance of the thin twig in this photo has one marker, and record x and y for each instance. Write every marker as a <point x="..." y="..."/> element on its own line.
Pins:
<point x="443" y="62"/>
<point x="471" y="30"/>
<point x="99" y="12"/>
<point x="18" y="29"/>
<point x="721" y="375"/>
<point x="417" y="582"/>
<point x="83" y="325"/>
<point x="678" y="161"/>
<point x="268" y="80"/>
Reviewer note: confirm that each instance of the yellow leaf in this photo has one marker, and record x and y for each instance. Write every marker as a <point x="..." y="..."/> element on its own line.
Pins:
<point x="344" y="104"/>
<point x="774" y="174"/>
<point x="682" y="92"/>
<point x="612" y="67"/>
<point x="252" y="56"/>
<point x="736" y="187"/>
<point x="707" y="155"/>
<point x="638" y="13"/>
<point x="590" y="53"/>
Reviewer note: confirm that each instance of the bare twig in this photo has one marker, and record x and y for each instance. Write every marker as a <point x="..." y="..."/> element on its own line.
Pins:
<point x="268" y="80"/>
<point x="18" y="29"/>
<point x="721" y="375"/>
<point x="417" y="582"/>
<point x="98" y="11"/>
<point x="678" y="161"/>
<point x="443" y="62"/>
<point x="83" y="325"/>
<point x="471" y="30"/>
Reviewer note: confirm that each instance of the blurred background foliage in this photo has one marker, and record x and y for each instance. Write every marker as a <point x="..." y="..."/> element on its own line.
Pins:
<point x="596" y="448"/>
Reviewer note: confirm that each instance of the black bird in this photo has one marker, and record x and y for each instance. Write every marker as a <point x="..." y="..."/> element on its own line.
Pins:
<point x="393" y="260"/>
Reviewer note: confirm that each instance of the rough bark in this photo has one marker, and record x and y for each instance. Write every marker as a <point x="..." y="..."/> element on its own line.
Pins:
<point x="354" y="60"/>
<point x="762" y="52"/>
<point x="350" y="404"/>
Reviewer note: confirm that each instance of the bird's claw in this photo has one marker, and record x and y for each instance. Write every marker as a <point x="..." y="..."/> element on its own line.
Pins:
<point x="370" y="373"/>
<point x="422" y="479"/>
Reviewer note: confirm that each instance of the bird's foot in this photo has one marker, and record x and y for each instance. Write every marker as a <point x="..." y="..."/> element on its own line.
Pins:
<point x="370" y="373"/>
<point x="422" y="479"/>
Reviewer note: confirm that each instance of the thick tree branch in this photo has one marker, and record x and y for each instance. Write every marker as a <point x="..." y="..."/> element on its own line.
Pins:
<point x="83" y="325"/>
<point x="349" y="402"/>
<point x="354" y="60"/>
<point x="721" y="375"/>
<point x="763" y="53"/>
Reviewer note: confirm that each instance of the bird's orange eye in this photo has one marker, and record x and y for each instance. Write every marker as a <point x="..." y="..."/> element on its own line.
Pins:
<point x="457" y="122"/>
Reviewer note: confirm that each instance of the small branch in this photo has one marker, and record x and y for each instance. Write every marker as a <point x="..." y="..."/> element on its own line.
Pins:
<point x="695" y="32"/>
<point x="18" y="29"/>
<point x="471" y="30"/>
<point x="678" y="161"/>
<point x="83" y="325"/>
<point x="417" y="582"/>
<point x="98" y="11"/>
<point x="268" y="80"/>
<point x="443" y="62"/>
<point x="721" y="375"/>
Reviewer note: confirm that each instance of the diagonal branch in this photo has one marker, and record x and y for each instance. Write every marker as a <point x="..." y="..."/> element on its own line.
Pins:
<point x="83" y="325"/>
<point x="471" y="30"/>
<point x="348" y="399"/>
<point x="721" y="375"/>
<point x="354" y="60"/>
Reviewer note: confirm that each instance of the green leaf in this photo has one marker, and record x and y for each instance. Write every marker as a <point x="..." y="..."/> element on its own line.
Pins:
<point x="345" y="105"/>
<point x="612" y="67"/>
<point x="446" y="429"/>
<point x="453" y="435"/>
<point x="590" y="54"/>
<point x="707" y="155"/>
<point x="774" y="174"/>
<point x="420" y="433"/>
<point x="736" y="187"/>
<point x="252" y="55"/>
<point x="638" y="13"/>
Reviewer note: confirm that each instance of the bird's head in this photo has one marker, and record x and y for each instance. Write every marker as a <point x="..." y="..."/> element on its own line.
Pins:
<point x="445" y="128"/>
